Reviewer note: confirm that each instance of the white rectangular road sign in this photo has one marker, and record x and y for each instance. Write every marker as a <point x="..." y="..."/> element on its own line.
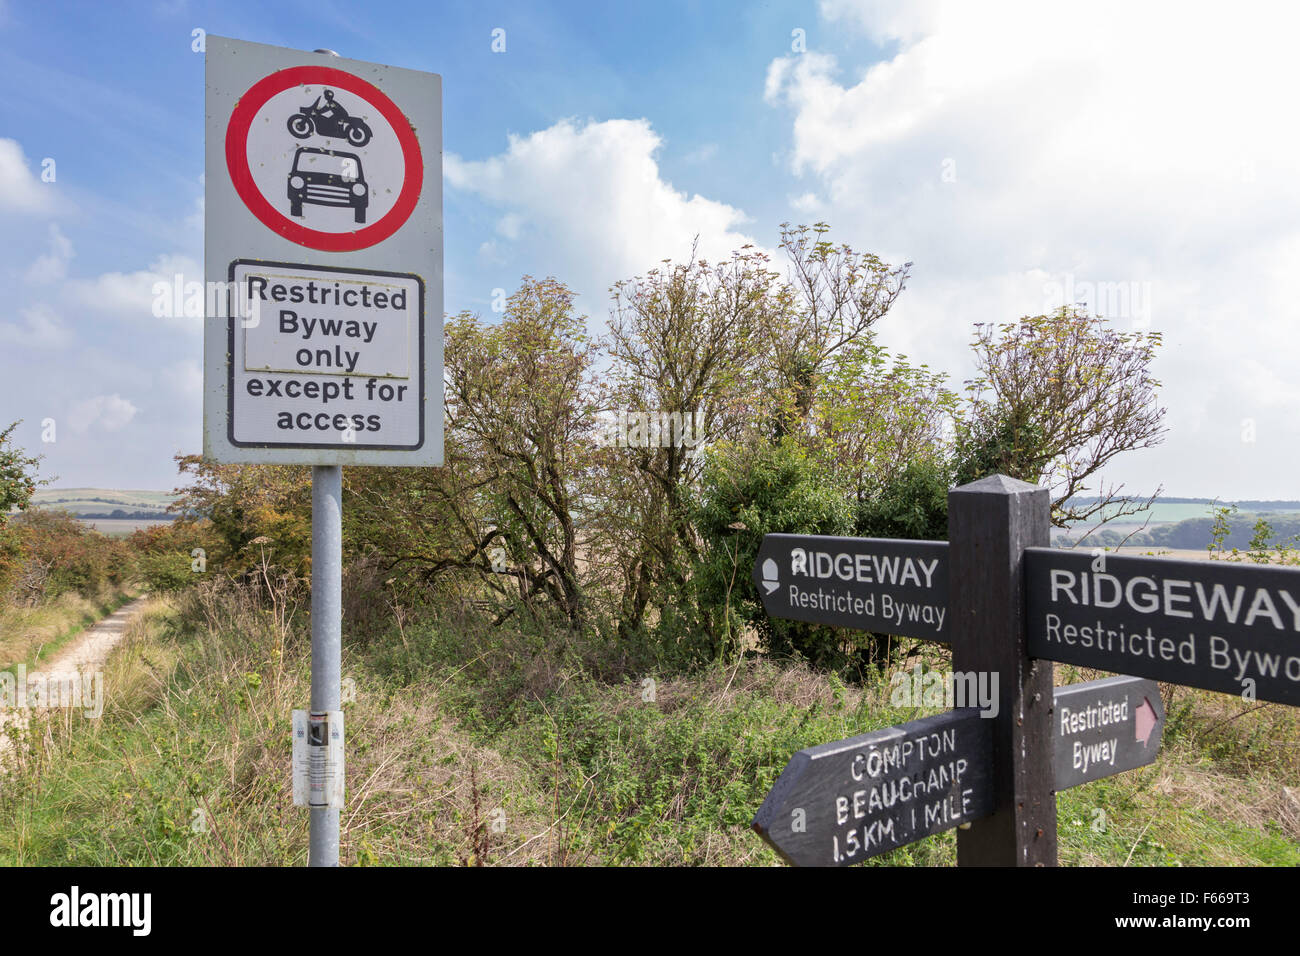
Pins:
<point x="323" y="257"/>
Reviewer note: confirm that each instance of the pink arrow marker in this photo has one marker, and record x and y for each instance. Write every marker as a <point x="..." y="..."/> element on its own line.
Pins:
<point x="1145" y="721"/>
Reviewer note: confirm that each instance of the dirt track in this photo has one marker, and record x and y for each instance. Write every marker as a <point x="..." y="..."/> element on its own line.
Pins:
<point x="85" y="654"/>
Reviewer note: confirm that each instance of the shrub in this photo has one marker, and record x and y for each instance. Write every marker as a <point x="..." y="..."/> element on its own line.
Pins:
<point x="62" y="555"/>
<point x="173" y="556"/>
<point x="746" y="494"/>
<point x="913" y="504"/>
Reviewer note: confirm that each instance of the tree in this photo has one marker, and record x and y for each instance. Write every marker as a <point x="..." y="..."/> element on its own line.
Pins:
<point x="257" y="513"/>
<point x="1055" y="398"/>
<point x="750" y="491"/>
<point x="832" y="299"/>
<point x="877" y="415"/>
<point x="1261" y="539"/>
<point x="756" y="357"/>
<point x="686" y="346"/>
<point x="521" y="410"/>
<point x="913" y="503"/>
<point x="63" y="555"/>
<point x="18" y="481"/>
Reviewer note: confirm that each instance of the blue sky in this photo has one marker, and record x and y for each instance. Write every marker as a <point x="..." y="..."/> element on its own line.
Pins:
<point x="123" y="75"/>
<point x="1136" y="161"/>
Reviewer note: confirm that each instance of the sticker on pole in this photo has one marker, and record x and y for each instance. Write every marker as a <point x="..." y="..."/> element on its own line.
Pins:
<point x="318" y="758"/>
<point x="324" y="158"/>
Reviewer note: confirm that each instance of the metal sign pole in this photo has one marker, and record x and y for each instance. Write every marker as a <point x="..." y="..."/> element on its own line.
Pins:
<point x="326" y="625"/>
<point x="349" y="371"/>
<point x="326" y="628"/>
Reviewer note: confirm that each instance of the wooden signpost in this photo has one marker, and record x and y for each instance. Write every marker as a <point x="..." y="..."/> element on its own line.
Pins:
<point x="1010" y="606"/>
<point x="1227" y="627"/>
<point x="869" y="584"/>
<point x="841" y="803"/>
<point x="1104" y="727"/>
<point x="990" y="523"/>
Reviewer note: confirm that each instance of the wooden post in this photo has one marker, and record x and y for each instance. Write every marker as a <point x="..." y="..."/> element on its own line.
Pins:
<point x="990" y="523"/>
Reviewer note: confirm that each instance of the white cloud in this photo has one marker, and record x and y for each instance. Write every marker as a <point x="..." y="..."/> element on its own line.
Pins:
<point x="1137" y="151"/>
<point x="510" y="225"/>
<point x="41" y="328"/>
<point x="194" y="220"/>
<point x="53" y="265"/>
<point x="489" y="252"/>
<point x="185" y="378"/>
<point x="807" y="203"/>
<point x="704" y="154"/>
<point x="130" y="295"/>
<point x="21" y="190"/>
<point x="587" y="203"/>
<point x="106" y="412"/>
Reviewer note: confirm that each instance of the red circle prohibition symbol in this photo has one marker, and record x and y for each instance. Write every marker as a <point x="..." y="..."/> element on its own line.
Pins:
<point x="241" y="120"/>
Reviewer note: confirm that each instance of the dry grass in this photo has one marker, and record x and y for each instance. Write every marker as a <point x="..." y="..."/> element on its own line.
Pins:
<point x="29" y="634"/>
<point x="197" y="727"/>
<point x="199" y="730"/>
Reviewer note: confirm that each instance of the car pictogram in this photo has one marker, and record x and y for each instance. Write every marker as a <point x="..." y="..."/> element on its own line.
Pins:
<point x="326" y="177"/>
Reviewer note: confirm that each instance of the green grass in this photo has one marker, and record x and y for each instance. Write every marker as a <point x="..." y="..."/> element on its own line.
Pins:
<point x="471" y="744"/>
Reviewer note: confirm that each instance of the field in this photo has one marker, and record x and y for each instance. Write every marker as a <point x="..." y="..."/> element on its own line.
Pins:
<point x="520" y="742"/>
<point x="101" y="500"/>
<point x="94" y="506"/>
<point x="121" y="527"/>
<point x="473" y="745"/>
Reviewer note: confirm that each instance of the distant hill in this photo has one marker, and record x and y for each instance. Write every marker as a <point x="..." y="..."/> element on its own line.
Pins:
<point x="1245" y="504"/>
<point x="1196" y="533"/>
<point x="1171" y="511"/>
<point x="107" y="502"/>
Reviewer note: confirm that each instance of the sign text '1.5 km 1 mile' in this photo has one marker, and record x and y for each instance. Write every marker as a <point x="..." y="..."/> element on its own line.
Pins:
<point x="1214" y="625"/>
<point x="844" y="802"/>
<point x="884" y="585"/>
<point x="840" y="803"/>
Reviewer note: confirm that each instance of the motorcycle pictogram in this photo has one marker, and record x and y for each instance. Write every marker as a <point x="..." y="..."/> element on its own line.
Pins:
<point x="327" y="118"/>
